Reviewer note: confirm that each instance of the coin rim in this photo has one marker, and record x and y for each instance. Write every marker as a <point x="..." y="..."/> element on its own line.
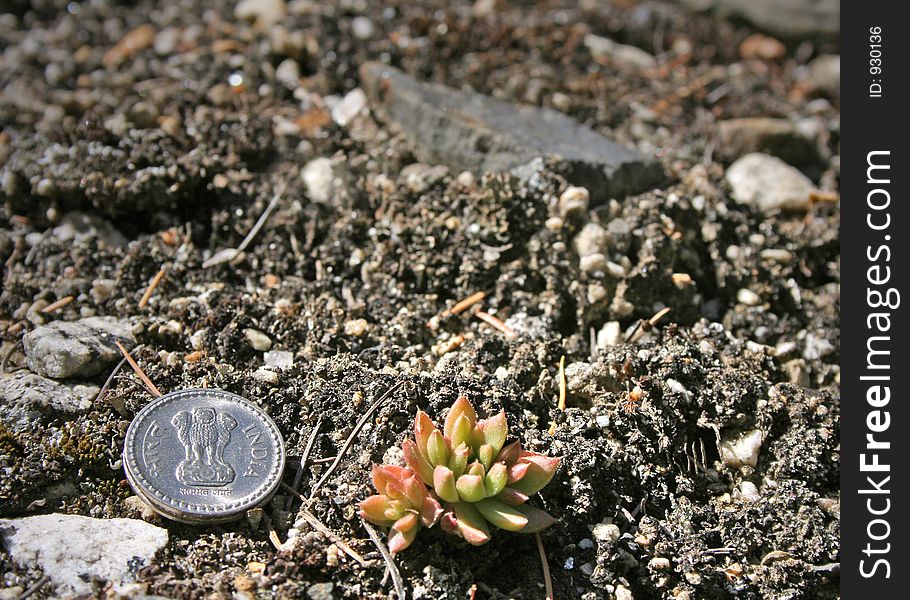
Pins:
<point x="188" y="511"/>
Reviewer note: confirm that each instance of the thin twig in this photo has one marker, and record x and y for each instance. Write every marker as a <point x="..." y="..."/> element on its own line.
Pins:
<point x="322" y="528"/>
<point x="563" y="392"/>
<point x="347" y="443"/>
<point x="389" y="561"/>
<point x="38" y="585"/>
<point x="303" y="459"/>
<point x="545" y="566"/>
<point x="465" y="304"/>
<point x="273" y="535"/>
<point x="148" y="382"/>
<point x="9" y="353"/>
<point x="110" y="377"/>
<point x="228" y="255"/>
<point x="143" y="302"/>
<point x="460" y="306"/>
<point x="496" y="323"/>
<point x="642" y="327"/>
<point x="58" y="304"/>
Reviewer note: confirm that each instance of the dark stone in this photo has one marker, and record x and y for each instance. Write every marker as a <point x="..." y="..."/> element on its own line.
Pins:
<point x="473" y="132"/>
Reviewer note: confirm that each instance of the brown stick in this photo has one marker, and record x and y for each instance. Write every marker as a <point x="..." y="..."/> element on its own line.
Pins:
<point x="546" y="568"/>
<point x="460" y="306"/>
<point x="467" y="303"/>
<point x="58" y="304"/>
<point x="151" y="288"/>
<point x="497" y="324"/>
<point x="148" y="382"/>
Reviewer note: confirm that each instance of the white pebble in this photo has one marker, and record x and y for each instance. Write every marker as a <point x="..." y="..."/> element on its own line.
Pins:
<point x="741" y="450"/>
<point x="265" y="375"/>
<point x="768" y="183"/>
<point x="573" y="201"/>
<point x="748" y="297"/>
<point x="279" y="359"/>
<point x="258" y="340"/>
<point x="606" y="532"/>
<point x="319" y="178"/>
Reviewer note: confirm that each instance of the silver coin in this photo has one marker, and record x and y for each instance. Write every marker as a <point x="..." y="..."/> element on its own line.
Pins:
<point x="203" y="455"/>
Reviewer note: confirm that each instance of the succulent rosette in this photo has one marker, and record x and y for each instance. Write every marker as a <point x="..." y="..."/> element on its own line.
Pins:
<point x="402" y="504"/>
<point x="475" y="481"/>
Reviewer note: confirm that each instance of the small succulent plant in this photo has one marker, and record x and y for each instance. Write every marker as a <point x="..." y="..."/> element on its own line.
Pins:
<point x="463" y="477"/>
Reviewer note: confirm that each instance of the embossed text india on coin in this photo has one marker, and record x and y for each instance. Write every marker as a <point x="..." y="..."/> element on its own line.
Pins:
<point x="203" y="455"/>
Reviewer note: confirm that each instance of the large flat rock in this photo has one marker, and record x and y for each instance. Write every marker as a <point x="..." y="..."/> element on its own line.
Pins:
<point x="788" y="18"/>
<point x="473" y="132"/>
<point x="76" y="348"/>
<point x="24" y="397"/>
<point x="72" y="550"/>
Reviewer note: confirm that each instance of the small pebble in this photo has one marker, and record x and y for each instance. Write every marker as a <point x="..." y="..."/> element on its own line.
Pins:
<point x="741" y="449"/>
<point x="768" y="183"/>
<point x="265" y="375"/>
<point x="279" y="359"/>
<point x="319" y="178"/>
<point x="573" y="202"/>
<point x="659" y="563"/>
<point x="748" y="297"/>
<point x="257" y="339"/>
<point x="592" y="263"/>
<point x="356" y="327"/>
<point x="592" y="239"/>
<point x="606" y="532"/>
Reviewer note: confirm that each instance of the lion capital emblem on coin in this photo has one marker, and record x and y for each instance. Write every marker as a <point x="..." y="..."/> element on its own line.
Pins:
<point x="204" y="434"/>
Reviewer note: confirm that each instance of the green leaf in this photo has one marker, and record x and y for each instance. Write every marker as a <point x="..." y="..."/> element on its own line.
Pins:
<point x="470" y="488"/>
<point x="496" y="479"/>
<point x="485" y="455"/>
<point x="538" y="520"/>
<point x="444" y="484"/>
<point x="437" y="449"/>
<point x="459" y="460"/>
<point x="471" y="524"/>
<point x="461" y="407"/>
<point x="501" y="515"/>
<point x="416" y="462"/>
<point x="461" y="431"/>
<point x="495" y="429"/>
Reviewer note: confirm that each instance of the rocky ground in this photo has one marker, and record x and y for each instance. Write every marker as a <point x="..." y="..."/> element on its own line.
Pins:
<point x="697" y="171"/>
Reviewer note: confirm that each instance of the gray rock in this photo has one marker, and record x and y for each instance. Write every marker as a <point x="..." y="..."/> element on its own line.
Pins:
<point x="778" y="137"/>
<point x="824" y="72"/>
<point x="789" y="18"/>
<point x="79" y="227"/>
<point x="320" y="591"/>
<point x="592" y="239"/>
<point x="72" y="550"/>
<point x="473" y="132"/>
<point x="24" y="396"/>
<point x="76" y="348"/>
<point x="768" y="183"/>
